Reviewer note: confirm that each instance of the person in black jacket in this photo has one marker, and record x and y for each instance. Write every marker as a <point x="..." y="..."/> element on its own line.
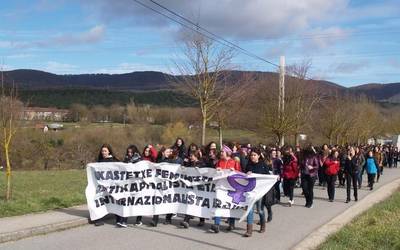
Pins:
<point x="180" y="147"/>
<point x="277" y="170"/>
<point x="165" y="155"/>
<point x="194" y="162"/>
<point x="133" y="156"/>
<point x="351" y="171"/>
<point x="106" y="154"/>
<point x="256" y="165"/>
<point x="211" y="159"/>
<point x="341" y="175"/>
<point x="309" y="166"/>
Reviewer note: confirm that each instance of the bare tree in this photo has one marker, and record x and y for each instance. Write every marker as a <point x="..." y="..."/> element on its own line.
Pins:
<point x="10" y="111"/>
<point x="235" y="98"/>
<point x="304" y="94"/>
<point x="330" y="117"/>
<point x="301" y="98"/>
<point x="203" y="75"/>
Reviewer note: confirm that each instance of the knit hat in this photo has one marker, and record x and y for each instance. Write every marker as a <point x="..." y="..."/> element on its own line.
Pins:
<point x="227" y="149"/>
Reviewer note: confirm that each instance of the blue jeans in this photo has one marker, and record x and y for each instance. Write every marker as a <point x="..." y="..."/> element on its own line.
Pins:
<point x="260" y="208"/>
<point x="359" y="178"/>
<point x="217" y="221"/>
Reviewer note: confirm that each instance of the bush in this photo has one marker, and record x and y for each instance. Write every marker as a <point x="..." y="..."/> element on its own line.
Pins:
<point x="174" y="130"/>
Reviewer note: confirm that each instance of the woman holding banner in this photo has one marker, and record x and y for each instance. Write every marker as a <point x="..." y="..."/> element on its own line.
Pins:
<point x="225" y="162"/>
<point x="194" y="162"/>
<point x="165" y="155"/>
<point x="149" y="153"/>
<point x="106" y="155"/>
<point x="132" y="156"/>
<point x="256" y="165"/>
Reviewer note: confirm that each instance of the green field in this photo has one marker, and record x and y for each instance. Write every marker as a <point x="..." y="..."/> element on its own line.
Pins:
<point x="36" y="191"/>
<point x="377" y="228"/>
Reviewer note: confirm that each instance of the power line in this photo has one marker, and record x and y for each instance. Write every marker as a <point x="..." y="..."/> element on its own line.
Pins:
<point x="212" y="36"/>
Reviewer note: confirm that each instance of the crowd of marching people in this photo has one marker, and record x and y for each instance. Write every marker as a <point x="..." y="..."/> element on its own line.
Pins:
<point x="332" y="166"/>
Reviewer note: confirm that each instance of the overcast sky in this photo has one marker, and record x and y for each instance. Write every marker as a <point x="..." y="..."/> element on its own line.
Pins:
<point x="350" y="42"/>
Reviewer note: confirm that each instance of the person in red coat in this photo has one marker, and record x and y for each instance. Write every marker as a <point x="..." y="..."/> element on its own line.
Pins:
<point x="149" y="153"/>
<point x="331" y="168"/>
<point x="225" y="162"/>
<point x="290" y="173"/>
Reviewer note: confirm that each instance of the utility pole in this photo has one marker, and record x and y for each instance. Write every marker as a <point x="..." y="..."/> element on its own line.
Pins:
<point x="281" y="104"/>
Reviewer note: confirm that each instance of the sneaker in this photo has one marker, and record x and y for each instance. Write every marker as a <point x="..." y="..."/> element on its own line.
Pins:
<point x="347" y="201"/>
<point x="123" y="224"/>
<point x="215" y="228"/>
<point x="184" y="224"/>
<point x="138" y="223"/>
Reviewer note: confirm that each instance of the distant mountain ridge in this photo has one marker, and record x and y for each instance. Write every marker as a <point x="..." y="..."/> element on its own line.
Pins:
<point x="153" y="80"/>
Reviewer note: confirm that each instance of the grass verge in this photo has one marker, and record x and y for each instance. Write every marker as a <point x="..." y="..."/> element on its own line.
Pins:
<point x="377" y="228"/>
<point x="36" y="191"/>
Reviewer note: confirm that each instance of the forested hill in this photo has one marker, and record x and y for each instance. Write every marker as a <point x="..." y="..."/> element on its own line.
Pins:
<point x="39" y="88"/>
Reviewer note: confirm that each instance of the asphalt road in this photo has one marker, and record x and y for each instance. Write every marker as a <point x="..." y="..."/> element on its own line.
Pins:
<point x="289" y="226"/>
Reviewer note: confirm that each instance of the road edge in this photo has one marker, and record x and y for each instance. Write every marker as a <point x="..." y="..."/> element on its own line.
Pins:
<point x="40" y="230"/>
<point x="320" y="235"/>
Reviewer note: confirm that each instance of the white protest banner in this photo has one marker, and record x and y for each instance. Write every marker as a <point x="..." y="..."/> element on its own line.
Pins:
<point x="147" y="188"/>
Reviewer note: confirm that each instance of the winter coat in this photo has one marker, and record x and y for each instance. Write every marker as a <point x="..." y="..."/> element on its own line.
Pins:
<point x="262" y="168"/>
<point x="152" y="157"/>
<point x="331" y="166"/>
<point x="350" y="166"/>
<point x="228" y="164"/>
<point x="312" y="161"/>
<point x="371" y="165"/>
<point x="290" y="170"/>
<point x="277" y="166"/>
<point x="135" y="158"/>
<point x="109" y="159"/>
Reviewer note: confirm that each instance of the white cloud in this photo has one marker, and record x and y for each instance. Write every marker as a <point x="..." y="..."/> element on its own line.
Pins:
<point x="130" y="67"/>
<point x="60" y="68"/>
<point x="20" y="56"/>
<point x="93" y="35"/>
<point x="350" y="67"/>
<point x="324" y="38"/>
<point x="11" y="44"/>
<point x="231" y="18"/>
